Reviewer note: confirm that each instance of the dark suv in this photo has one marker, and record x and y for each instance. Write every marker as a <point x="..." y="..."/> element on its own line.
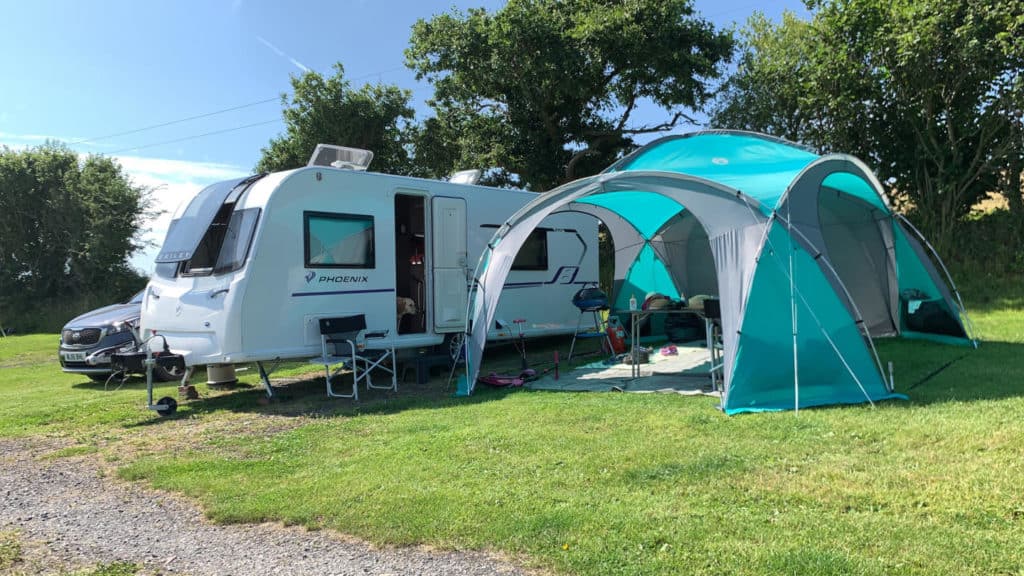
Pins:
<point x="87" y="342"/>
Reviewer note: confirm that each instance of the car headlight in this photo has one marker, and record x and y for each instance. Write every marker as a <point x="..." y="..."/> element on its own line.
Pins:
<point x="119" y="327"/>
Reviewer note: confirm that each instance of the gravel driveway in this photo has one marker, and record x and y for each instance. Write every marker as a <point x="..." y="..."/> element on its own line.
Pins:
<point x="81" y="519"/>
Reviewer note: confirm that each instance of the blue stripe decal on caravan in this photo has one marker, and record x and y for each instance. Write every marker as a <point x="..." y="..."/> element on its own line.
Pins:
<point x="554" y="279"/>
<point x="334" y="292"/>
<point x="539" y="284"/>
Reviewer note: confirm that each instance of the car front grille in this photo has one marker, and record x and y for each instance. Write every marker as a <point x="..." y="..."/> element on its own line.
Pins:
<point x="83" y="337"/>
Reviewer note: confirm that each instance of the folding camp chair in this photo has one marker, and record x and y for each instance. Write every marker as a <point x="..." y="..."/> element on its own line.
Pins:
<point x="345" y="343"/>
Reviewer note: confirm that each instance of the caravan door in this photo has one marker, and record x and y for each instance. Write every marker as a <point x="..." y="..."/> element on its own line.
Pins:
<point x="450" y="261"/>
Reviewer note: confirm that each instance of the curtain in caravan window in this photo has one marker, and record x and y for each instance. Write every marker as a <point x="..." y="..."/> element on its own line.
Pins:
<point x="339" y="241"/>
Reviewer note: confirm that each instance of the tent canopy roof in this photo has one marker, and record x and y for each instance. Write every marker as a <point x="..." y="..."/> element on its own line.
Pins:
<point x="761" y="167"/>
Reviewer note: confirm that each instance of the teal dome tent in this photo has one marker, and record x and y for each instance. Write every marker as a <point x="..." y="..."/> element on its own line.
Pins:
<point x="806" y="256"/>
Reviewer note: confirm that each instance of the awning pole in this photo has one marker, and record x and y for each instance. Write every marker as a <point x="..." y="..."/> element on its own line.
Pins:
<point x="792" y="307"/>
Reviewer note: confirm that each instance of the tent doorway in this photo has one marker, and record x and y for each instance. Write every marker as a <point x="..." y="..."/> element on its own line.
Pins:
<point x="852" y="231"/>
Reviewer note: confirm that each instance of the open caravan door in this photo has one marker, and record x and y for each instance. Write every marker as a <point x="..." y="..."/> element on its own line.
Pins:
<point x="450" y="259"/>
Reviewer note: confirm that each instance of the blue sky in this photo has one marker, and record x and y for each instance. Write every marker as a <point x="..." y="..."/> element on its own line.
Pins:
<point x="77" y="71"/>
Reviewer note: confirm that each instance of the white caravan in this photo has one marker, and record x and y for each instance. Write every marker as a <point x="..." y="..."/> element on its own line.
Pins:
<point x="249" y="266"/>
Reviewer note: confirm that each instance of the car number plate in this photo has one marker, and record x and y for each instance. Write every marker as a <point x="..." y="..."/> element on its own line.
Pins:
<point x="73" y="356"/>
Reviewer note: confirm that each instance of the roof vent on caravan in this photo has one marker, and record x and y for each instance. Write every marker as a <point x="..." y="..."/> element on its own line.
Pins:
<point x="466" y="176"/>
<point x="340" y="157"/>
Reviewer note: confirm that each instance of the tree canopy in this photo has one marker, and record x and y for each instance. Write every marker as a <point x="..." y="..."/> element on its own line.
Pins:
<point x="926" y="91"/>
<point x="328" y="110"/>
<point x="544" y="91"/>
<point x="67" y="228"/>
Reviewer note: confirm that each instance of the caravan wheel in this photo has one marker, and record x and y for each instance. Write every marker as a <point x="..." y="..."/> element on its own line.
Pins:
<point x="456" y="345"/>
<point x="161" y="374"/>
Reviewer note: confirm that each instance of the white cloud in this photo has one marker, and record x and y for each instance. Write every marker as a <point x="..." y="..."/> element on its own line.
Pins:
<point x="179" y="171"/>
<point x="172" y="182"/>
<point x="281" y="53"/>
<point x="34" y="138"/>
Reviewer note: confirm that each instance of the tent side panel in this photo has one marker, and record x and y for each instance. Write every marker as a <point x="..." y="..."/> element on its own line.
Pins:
<point x="647" y="275"/>
<point x="934" y="315"/>
<point x="763" y="376"/>
<point x="683" y="245"/>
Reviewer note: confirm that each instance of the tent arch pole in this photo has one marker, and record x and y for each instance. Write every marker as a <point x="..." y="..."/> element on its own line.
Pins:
<point x="834" y="163"/>
<point x="809" y="181"/>
<point x="816" y="172"/>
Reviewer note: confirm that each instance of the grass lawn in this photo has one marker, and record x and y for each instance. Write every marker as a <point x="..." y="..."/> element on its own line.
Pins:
<point x="593" y="483"/>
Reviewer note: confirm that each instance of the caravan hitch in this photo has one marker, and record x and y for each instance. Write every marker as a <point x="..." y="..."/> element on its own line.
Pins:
<point x="142" y="363"/>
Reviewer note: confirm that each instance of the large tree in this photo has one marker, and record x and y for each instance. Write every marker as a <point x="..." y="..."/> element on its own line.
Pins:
<point x="67" y="227"/>
<point x="772" y="88"/>
<point x="543" y="91"/>
<point x="330" y="111"/>
<point x="924" y="90"/>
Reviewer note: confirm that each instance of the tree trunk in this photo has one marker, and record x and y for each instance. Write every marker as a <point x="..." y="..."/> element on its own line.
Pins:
<point x="1012" y="189"/>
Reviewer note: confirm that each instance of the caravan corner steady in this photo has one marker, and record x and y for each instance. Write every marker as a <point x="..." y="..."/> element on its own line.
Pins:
<point x="249" y="266"/>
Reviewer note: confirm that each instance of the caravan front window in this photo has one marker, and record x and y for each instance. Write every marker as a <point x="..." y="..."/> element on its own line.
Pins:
<point x="225" y="245"/>
<point x="188" y="229"/>
<point x="237" y="240"/>
<point x="338" y="240"/>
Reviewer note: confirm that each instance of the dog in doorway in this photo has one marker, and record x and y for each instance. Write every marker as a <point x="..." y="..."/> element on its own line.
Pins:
<point x="404" y="307"/>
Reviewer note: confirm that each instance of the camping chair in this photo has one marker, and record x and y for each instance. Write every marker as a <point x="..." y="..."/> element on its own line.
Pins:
<point x="713" y="324"/>
<point x="345" y="343"/>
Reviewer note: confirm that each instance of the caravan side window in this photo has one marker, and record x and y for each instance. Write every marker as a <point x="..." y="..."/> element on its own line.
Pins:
<point x="534" y="253"/>
<point x="338" y="240"/>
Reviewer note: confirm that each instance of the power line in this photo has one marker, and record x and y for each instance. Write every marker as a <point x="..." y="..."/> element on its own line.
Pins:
<point x="215" y="132"/>
<point x="214" y="113"/>
<point x="179" y="121"/>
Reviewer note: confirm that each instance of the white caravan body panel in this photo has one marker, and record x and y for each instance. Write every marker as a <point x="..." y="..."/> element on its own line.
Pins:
<point x="268" y="307"/>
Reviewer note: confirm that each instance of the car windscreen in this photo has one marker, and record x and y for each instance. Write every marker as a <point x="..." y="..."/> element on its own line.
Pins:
<point x="187" y="230"/>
